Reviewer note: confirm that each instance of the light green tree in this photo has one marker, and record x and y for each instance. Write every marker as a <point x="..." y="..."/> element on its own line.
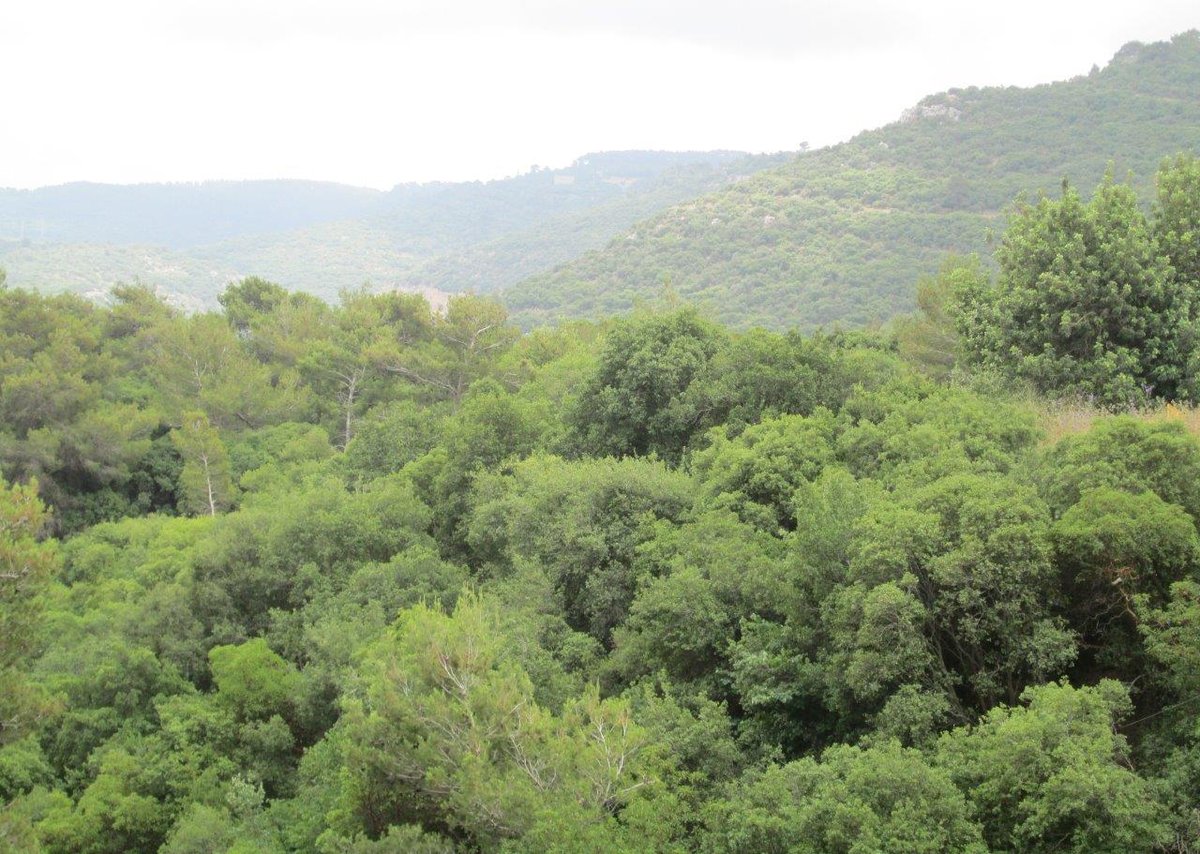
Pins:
<point x="445" y="733"/>
<point x="199" y="362"/>
<point x="446" y="351"/>
<point x="1054" y="774"/>
<point x="884" y="799"/>
<point x="26" y="565"/>
<point x="929" y="338"/>
<point x="206" y="481"/>
<point x="252" y="680"/>
<point x="1177" y="219"/>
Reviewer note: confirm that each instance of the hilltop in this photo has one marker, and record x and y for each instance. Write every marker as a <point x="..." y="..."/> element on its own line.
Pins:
<point x="836" y="236"/>
<point x="840" y="235"/>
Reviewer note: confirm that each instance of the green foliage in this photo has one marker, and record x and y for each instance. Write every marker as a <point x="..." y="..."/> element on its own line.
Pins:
<point x="204" y="480"/>
<point x="281" y="551"/>
<point x="1116" y="549"/>
<point x="448" y="735"/>
<point x="25" y="569"/>
<point x="201" y="830"/>
<point x="1126" y="454"/>
<point x="23" y="766"/>
<point x="454" y="348"/>
<point x="1086" y="303"/>
<point x="885" y="799"/>
<point x="970" y="593"/>
<point x="492" y="427"/>
<point x="1172" y="636"/>
<point x="1054" y="775"/>
<point x="838" y="236"/>
<point x="760" y="373"/>
<point x="199" y="361"/>
<point x="582" y="522"/>
<point x="391" y="437"/>
<point x="1177" y="217"/>
<point x="252" y="680"/>
<point x="248" y="302"/>
<point x="758" y="473"/>
<point x="635" y="403"/>
<point x="930" y="338"/>
<point x="677" y="623"/>
<point x="407" y="839"/>
<point x="646" y="586"/>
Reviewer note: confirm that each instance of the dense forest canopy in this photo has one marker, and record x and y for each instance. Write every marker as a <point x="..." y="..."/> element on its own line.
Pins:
<point x="371" y="577"/>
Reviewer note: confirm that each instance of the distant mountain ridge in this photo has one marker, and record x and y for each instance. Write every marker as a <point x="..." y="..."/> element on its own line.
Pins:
<point x="840" y="235"/>
<point x="191" y="239"/>
<point x="176" y="216"/>
<point x="837" y="236"/>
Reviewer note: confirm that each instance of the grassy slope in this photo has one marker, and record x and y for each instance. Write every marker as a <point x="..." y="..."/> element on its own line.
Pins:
<point x="840" y="235"/>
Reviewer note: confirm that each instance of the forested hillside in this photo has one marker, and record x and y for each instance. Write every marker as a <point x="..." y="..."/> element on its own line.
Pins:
<point x="190" y="240"/>
<point x="371" y="578"/>
<point x="837" y="236"/>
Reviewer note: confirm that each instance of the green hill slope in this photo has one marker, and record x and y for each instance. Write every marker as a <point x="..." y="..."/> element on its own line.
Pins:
<point x="189" y="240"/>
<point x="839" y="235"/>
<point x="510" y="258"/>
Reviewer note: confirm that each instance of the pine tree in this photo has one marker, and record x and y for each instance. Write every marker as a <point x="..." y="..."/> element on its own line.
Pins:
<point x="205" y="482"/>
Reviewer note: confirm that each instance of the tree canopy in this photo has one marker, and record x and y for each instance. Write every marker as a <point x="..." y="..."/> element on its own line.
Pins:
<point x="375" y="577"/>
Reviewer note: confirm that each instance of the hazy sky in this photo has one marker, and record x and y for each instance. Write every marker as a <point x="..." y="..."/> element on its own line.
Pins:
<point x="374" y="93"/>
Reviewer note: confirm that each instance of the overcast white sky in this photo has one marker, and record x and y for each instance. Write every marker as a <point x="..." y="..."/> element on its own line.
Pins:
<point x="374" y="93"/>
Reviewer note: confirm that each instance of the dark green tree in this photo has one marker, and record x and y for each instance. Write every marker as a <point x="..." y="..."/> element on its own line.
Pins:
<point x="636" y="401"/>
